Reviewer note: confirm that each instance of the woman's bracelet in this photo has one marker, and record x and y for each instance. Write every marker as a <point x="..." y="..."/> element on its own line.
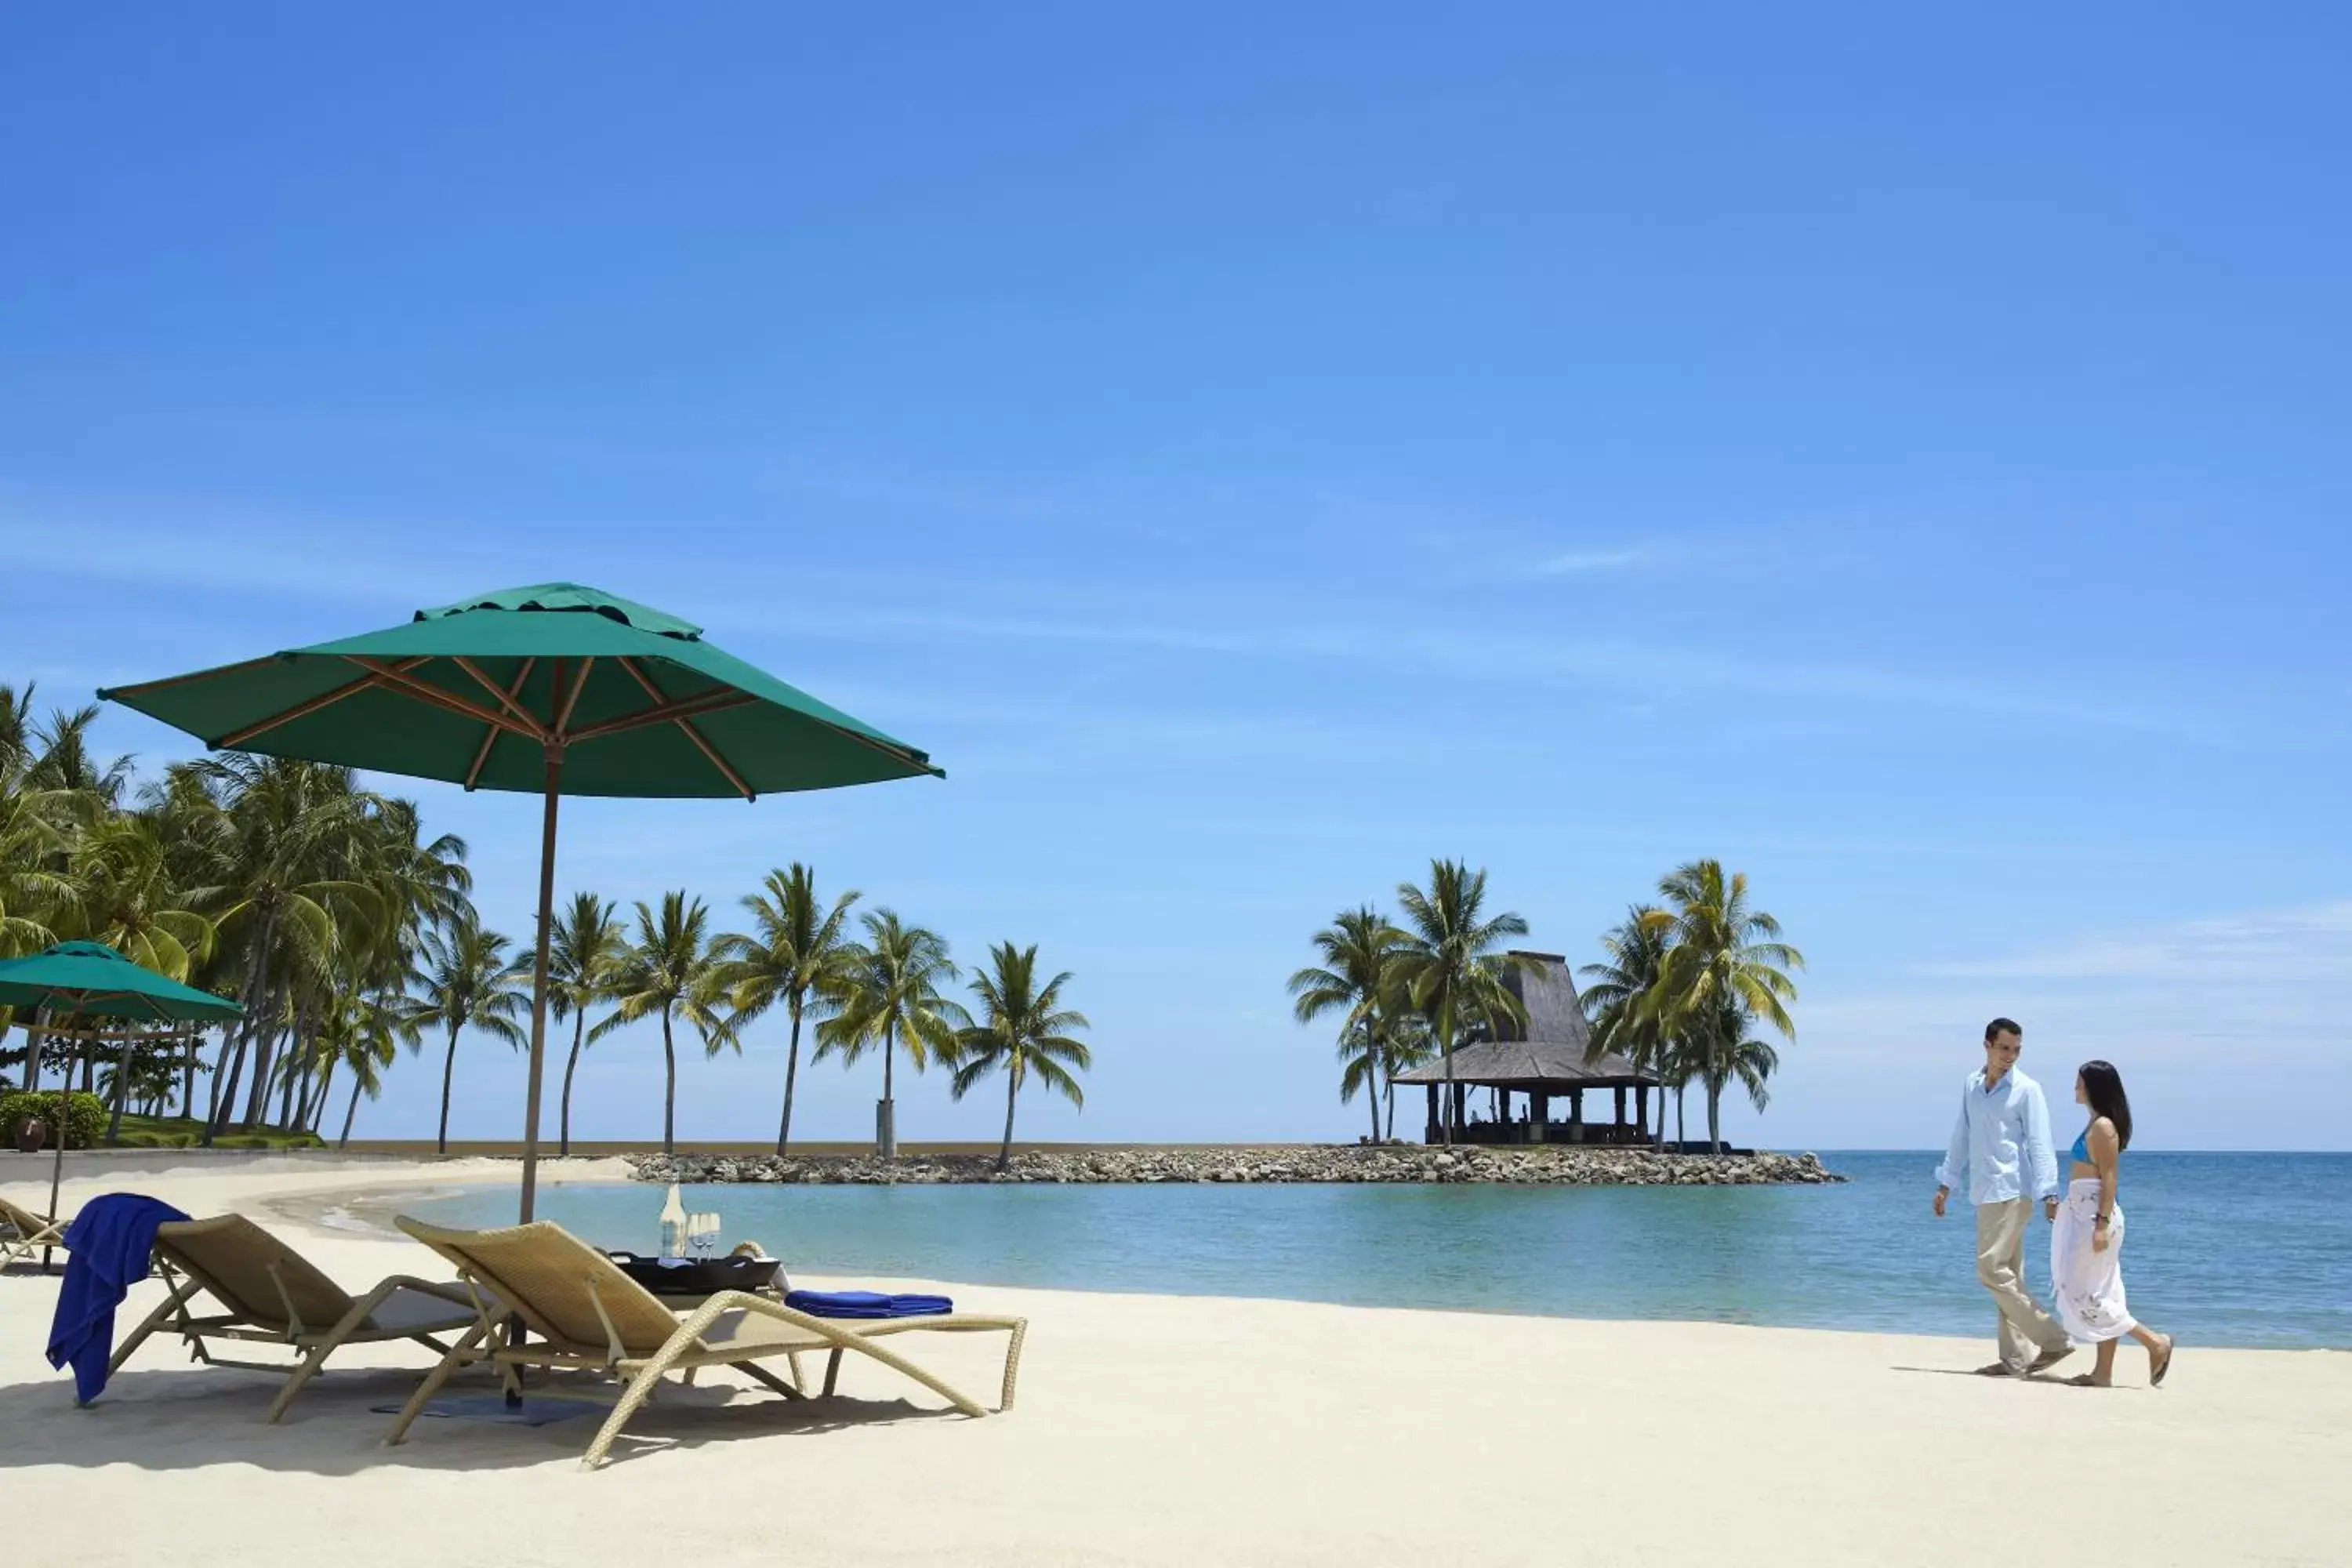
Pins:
<point x="2100" y="1220"/>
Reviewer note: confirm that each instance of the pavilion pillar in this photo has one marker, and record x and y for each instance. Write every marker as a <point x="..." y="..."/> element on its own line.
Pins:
<point x="1618" y="1119"/>
<point x="1641" y="1107"/>
<point x="1539" y="1115"/>
<point x="1461" y="1107"/>
<point x="1575" y="1116"/>
<point x="1433" y="1132"/>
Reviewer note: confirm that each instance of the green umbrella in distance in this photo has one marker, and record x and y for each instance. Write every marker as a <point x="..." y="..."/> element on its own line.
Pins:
<point x="554" y="690"/>
<point x="91" y="980"/>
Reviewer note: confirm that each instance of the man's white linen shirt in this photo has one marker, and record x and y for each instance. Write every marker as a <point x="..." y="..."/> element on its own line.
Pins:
<point x="2001" y="1142"/>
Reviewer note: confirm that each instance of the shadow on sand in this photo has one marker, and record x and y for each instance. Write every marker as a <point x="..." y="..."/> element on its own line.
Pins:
<point x="192" y="1419"/>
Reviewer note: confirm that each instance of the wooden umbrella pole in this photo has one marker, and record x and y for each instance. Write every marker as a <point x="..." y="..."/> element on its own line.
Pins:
<point x="58" y="1158"/>
<point x="539" y="983"/>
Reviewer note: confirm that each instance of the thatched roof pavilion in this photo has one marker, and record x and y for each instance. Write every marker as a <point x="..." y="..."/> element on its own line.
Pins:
<point x="1544" y="1062"/>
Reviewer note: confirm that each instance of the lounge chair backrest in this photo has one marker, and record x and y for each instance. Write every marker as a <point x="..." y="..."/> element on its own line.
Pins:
<point x="23" y="1222"/>
<point x="563" y="1289"/>
<point x="258" y="1276"/>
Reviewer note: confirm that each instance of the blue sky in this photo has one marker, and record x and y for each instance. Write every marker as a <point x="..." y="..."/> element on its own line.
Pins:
<point x="1900" y="456"/>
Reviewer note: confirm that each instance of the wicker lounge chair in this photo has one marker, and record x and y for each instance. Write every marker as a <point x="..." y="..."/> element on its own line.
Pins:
<point x="276" y="1296"/>
<point x="24" y="1233"/>
<point x="586" y="1314"/>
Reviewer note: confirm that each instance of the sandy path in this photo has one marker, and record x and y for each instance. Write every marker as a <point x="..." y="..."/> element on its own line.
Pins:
<point x="1171" y="1430"/>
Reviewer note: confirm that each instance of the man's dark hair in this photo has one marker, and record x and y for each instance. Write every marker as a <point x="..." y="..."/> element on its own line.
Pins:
<point x="1999" y="1027"/>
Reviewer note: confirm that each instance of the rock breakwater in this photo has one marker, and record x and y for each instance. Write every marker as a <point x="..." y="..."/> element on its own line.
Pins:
<point x="1552" y="1166"/>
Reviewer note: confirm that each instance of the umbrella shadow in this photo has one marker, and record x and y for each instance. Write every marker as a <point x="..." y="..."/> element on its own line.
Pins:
<point x="194" y="1419"/>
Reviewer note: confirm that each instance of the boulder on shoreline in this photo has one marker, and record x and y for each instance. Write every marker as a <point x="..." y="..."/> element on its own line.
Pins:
<point x="1549" y="1166"/>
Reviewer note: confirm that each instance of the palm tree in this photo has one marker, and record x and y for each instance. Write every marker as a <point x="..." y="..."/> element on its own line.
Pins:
<point x="583" y="953"/>
<point x="296" y="837"/>
<point x="1023" y="1029"/>
<point x="124" y="896"/>
<point x="1361" y="978"/>
<point x="1452" y="971"/>
<point x="1619" y="993"/>
<point x="670" y="971"/>
<point x="464" y="978"/>
<point x="1724" y="969"/>
<point x="889" y="993"/>
<point x="796" y="953"/>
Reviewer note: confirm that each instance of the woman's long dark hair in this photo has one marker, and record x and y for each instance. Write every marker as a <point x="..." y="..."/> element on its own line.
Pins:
<point x="2103" y="1086"/>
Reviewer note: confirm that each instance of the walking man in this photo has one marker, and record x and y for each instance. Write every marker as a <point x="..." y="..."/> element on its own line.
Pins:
<point x="2000" y="1152"/>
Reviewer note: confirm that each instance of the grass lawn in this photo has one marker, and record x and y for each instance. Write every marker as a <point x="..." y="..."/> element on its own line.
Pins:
<point x="186" y="1132"/>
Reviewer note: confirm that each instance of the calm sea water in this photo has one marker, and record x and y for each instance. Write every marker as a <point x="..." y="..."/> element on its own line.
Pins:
<point x="2225" y="1249"/>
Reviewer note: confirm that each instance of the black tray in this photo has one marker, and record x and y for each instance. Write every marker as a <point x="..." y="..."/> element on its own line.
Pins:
<point x="699" y="1276"/>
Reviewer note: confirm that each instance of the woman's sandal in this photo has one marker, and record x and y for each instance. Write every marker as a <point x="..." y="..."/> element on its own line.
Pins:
<point x="2158" y="1367"/>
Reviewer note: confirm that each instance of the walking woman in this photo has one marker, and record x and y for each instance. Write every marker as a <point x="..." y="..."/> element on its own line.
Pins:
<point x="2086" y="1244"/>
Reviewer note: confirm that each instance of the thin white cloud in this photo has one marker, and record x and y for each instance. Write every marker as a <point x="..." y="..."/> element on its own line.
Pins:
<point x="2261" y="946"/>
<point x="380" y="567"/>
<point x="1572" y="562"/>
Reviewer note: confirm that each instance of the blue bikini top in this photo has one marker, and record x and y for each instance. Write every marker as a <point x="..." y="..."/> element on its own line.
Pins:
<point x="2081" y="1151"/>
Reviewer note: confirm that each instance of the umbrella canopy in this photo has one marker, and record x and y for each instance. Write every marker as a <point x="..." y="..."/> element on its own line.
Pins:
<point x="475" y="693"/>
<point x="558" y="689"/>
<point x="93" y="980"/>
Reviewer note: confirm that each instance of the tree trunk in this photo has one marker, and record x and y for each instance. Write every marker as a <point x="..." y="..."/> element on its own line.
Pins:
<point x="1447" y="1114"/>
<point x="226" y="1070"/>
<point x="448" y="1068"/>
<point x="1372" y="1081"/>
<point x="578" y="1032"/>
<point x="885" y="1134"/>
<point x="188" y="1084"/>
<point x="121" y="1093"/>
<point x="314" y="1101"/>
<point x="669" y="1090"/>
<point x="1682" y="1127"/>
<point x="792" y="1071"/>
<point x="1714" y="1117"/>
<point x="1390" y="1089"/>
<point x="1011" y="1089"/>
<point x="349" y="1111"/>
<point x="292" y="1075"/>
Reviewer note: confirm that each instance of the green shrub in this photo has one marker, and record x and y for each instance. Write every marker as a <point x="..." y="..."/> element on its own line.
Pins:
<point x="84" y="1115"/>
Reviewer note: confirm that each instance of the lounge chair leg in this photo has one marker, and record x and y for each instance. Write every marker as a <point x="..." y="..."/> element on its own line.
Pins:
<point x="303" y="1374"/>
<point x="460" y="1353"/>
<point x="832" y="1373"/>
<point x="758" y="1373"/>
<point x="172" y="1300"/>
<point x="640" y="1389"/>
<point x="1011" y="1365"/>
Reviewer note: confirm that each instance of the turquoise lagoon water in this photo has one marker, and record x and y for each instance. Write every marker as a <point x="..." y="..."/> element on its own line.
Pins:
<point x="2224" y="1249"/>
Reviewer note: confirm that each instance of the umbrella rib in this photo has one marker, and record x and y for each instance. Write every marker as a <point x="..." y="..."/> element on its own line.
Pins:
<point x="506" y="697"/>
<point x="711" y="753"/>
<point x="236" y="738"/>
<point x="571" y="700"/>
<point x="425" y="691"/>
<point x="667" y="712"/>
<point x="490" y="733"/>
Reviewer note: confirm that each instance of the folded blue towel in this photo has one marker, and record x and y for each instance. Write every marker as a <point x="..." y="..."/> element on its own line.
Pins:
<point x="864" y="1304"/>
<point x="107" y="1249"/>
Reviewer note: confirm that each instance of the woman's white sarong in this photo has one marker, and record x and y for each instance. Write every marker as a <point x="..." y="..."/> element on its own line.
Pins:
<point x="2088" y="1283"/>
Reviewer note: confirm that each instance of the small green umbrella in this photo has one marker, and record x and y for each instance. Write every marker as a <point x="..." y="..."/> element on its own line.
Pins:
<point x="91" y="980"/>
<point x="555" y="690"/>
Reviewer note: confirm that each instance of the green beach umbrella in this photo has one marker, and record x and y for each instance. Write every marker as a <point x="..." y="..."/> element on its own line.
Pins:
<point x="552" y="691"/>
<point x="91" y="980"/>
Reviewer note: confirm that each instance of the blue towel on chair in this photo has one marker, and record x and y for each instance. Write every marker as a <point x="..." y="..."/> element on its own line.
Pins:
<point x="864" y="1304"/>
<point x="107" y="1248"/>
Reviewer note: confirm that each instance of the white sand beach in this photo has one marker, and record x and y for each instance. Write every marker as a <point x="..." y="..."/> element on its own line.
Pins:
<point x="1172" y="1430"/>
